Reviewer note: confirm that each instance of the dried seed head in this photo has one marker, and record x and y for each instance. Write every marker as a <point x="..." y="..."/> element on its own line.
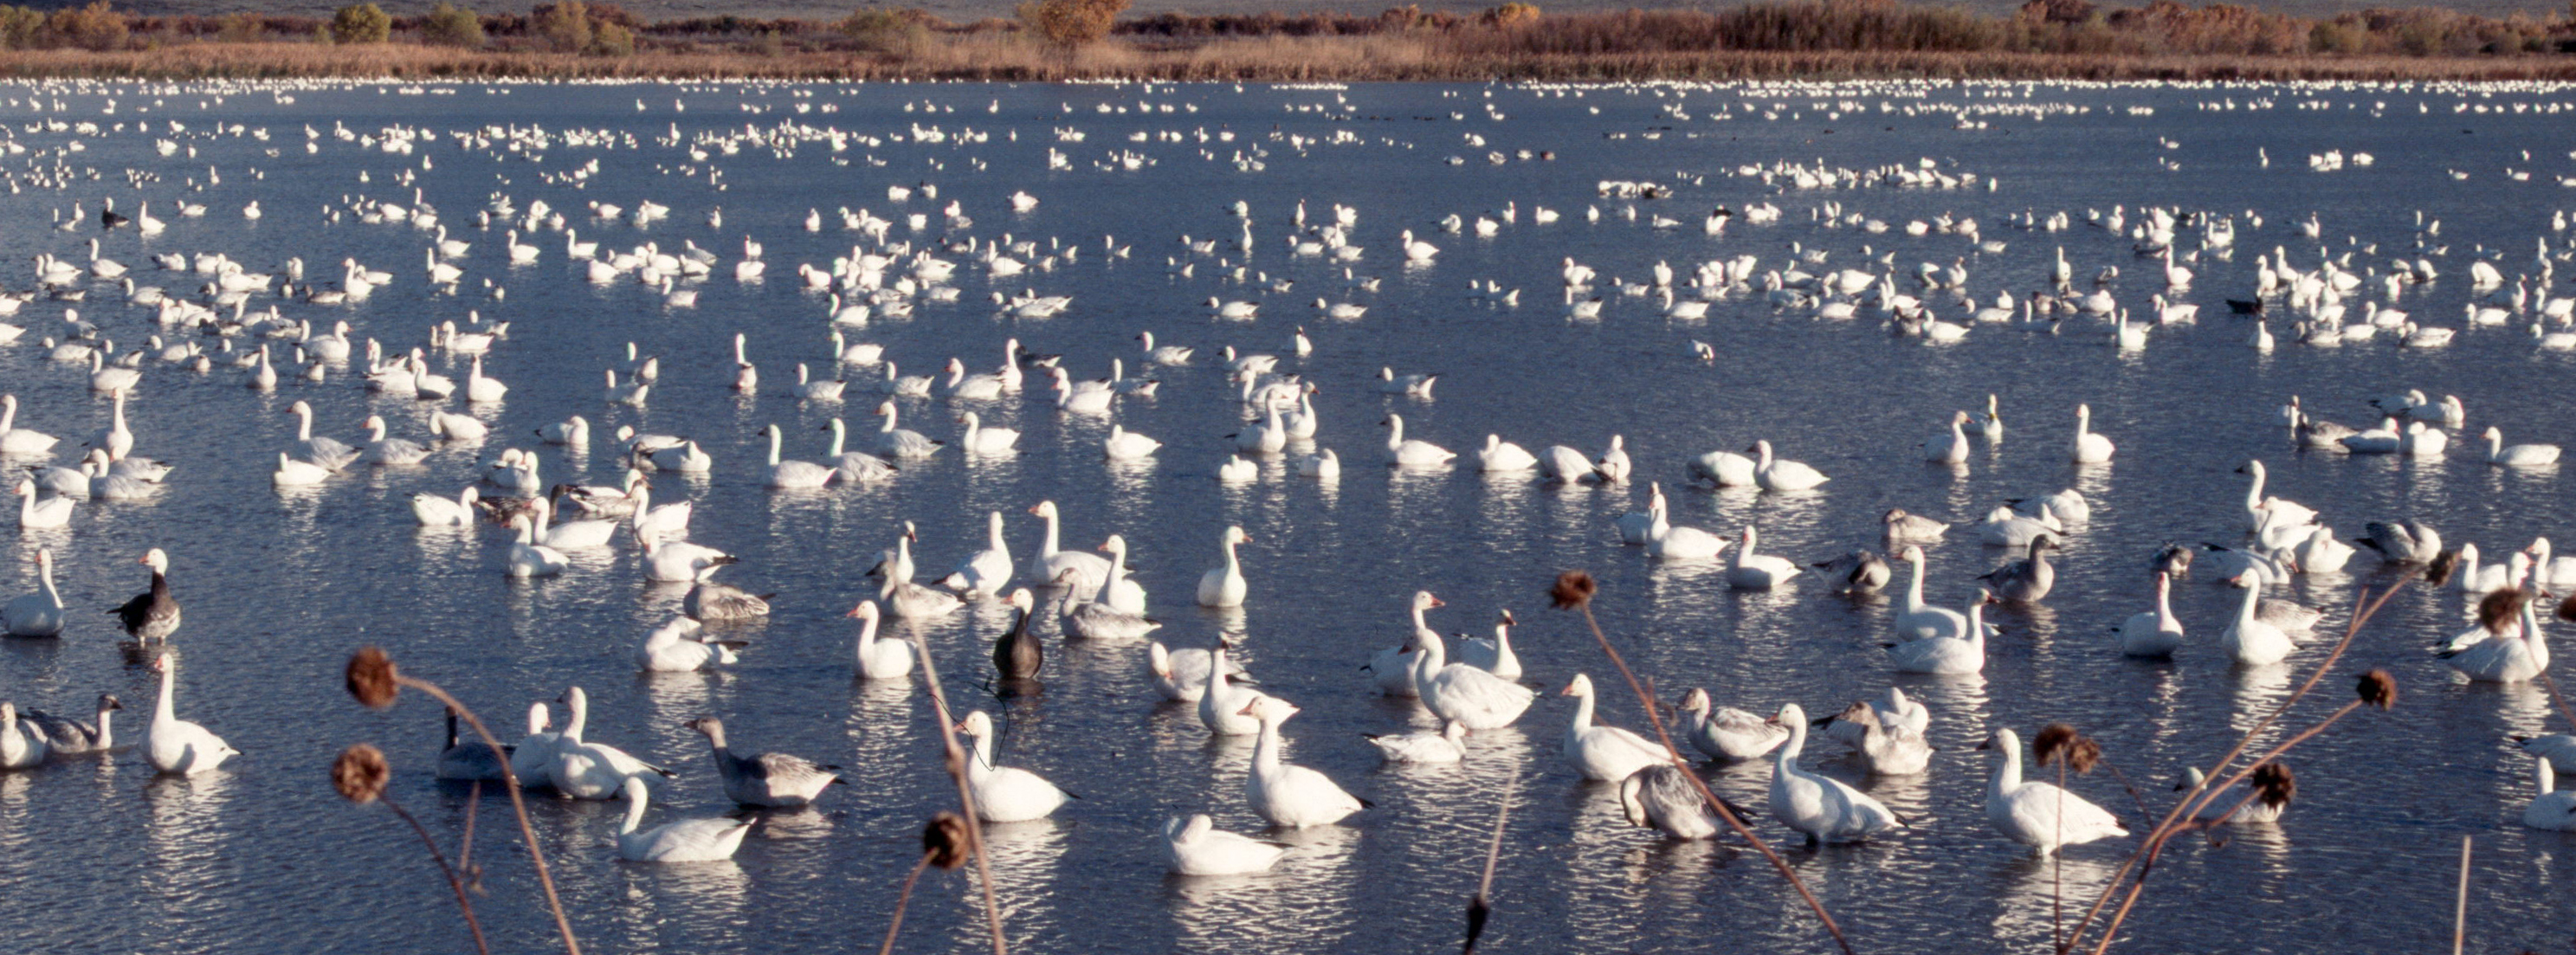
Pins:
<point x="2378" y="689"/>
<point x="2058" y="741"/>
<point x="360" y="773"/>
<point x="2501" y="610"/>
<point x="2567" y="608"/>
<point x="372" y="679"/>
<point x="945" y="841"/>
<point x="2439" y="572"/>
<point x="2275" y="784"/>
<point x="1573" y="590"/>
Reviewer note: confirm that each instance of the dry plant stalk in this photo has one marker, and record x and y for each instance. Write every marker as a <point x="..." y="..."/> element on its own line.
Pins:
<point x="376" y="683"/>
<point x="2376" y="689"/>
<point x="955" y="758"/>
<point x="943" y="843"/>
<point x="1480" y="907"/>
<point x="1574" y="590"/>
<point x="2460" y="912"/>
<point x="360" y="775"/>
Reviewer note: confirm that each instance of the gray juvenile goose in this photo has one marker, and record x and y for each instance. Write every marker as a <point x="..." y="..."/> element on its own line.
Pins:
<point x="68" y="736"/>
<point x="2026" y="580"/>
<point x="769" y="779"/>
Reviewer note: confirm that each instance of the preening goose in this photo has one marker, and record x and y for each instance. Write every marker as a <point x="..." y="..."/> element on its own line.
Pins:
<point x="1661" y="796"/>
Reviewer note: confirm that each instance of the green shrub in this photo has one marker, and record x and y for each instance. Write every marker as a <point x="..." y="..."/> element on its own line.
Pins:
<point x="450" y="25"/>
<point x="361" y="23"/>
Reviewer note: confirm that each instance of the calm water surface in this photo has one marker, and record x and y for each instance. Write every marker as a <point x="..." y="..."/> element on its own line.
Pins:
<point x="98" y="855"/>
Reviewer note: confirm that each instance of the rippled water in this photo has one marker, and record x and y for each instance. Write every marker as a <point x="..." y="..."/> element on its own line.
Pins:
<point x="98" y="855"/>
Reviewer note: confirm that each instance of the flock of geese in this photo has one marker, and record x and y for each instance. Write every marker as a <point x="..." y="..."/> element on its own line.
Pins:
<point x="267" y="331"/>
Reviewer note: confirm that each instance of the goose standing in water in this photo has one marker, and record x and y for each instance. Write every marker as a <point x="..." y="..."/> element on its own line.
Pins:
<point x="1091" y="571"/>
<point x="1017" y="654"/>
<point x="768" y="779"/>
<point x="66" y="736"/>
<point x="1004" y="793"/>
<point x="175" y="746"/>
<point x="1823" y="808"/>
<point x="2038" y="814"/>
<point x="2027" y="580"/>
<point x="1463" y="694"/>
<point x="39" y="614"/>
<point x="1603" y="753"/>
<point x="585" y="770"/>
<point x="1223" y="586"/>
<point x="1392" y="668"/>
<point x="1724" y="732"/>
<point x="1661" y="796"/>
<point x="1289" y="795"/>
<point x="1493" y="656"/>
<point x="879" y="658"/>
<point x="153" y="614"/>
<point x="2155" y="634"/>
<point x="688" y="840"/>
<point x="1197" y="847"/>
<point x="460" y="759"/>
<point x="2089" y="447"/>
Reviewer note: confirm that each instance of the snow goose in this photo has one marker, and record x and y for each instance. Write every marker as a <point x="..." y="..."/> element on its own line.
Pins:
<point x="1638" y="527"/>
<point x="1603" y="753"/>
<point x="983" y="440"/>
<point x="66" y="736"/>
<point x="2516" y="456"/>
<point x="463" y="760"/>
<point x="1325" y="465"/>
<point x="2402" y="542"/>
<point x="23" y="745"/>
<point x="1462" y="693"/>
<point x="1197" y="847"/>
<point x="325" y="452"/>
<point x="688" y="840"/>
<point x="432" y="510"/>
<point x="49" y="512"/>
<point x="1164" y="354"/>
<point x="1266" y="436"/>
<point x="1724" y="732"/>
<point x="2088" y="446"/>
<point x="1917" y="620"/>
<point x="2003" y="527"/>
<point x="16" y="440"/>
<point x="1181" y="675"/>
<point x="988" y="570"/>
<point x="1121" y="591"/>
<point x="1125" y="445"/>
<point x="854" y="466"/>
<point x="1412" y="453"/>
<point x="1614" y="465"/>
<point x="1948" y="654"/>
<point x="1222" y="700"/>
<point x="2037" y="814"/>
<point x="2279" y="512"/>
<point x="1501" y="455"/>
<point x="683" y="646"/>
<point x="1951" y="446"/>
<point x="1017" y="654"/>
<point x="1782" y="475"/>
<point x="573" y="431"/>
<point x="1051" y="561"/>
<point x="1825" y="809"/>
<point x="1094" y="620"/>
<point x="1493" y="656"/>
<point x="2550" y="808"/>
<point x="587" y="770"/>
<point x="587" y="534"/>
<point x="1448" y="744"/>
<point x="2155" y="634"/>
<point x="1724" y="469"/>
<point x="897" y="442"/>
<point x="680" y="562"/>
<point x="1903" y="527"/>
<point x="2027" y="580"/>
<point x="175" y="746"/>
<point x="1223" y="586"/>
<point x="901" y="595"/>
<point x="1747" y="570"/>
<point x="153" y="614"/>
<point x="1661" y="796"/>
<point x="1286" y="794"/>
<point x="2233" y="806"/>
<point x="2321" y="553"/>
<point x="1004" y="793"/>
<point x="794" y="474"/>
<point x="39" y="614"/>
<point x="1666" y="541"/>
<point x="111" y="379"/>
<point x="1563" y="465"/>
<point x="532" y="759"/>
<point x="1888" y="750"/>
<point x="2249" y="639"/>
<point x="879" y="658"/>
<point x="2506" y="656"/>
<point x="768" y="779"/>
<point x="529" y="558"/>
<point x="1392" y="668"/>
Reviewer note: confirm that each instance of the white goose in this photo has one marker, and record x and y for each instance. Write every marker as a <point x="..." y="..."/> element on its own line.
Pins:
<point x="2505" y="656"/>
<point x="533" y="759"/>
<point x="984" y="440"/>
<point x="1448" y="744"/>
<point x="1222" y="702"/>
<point x="1951" y="446"/>
<point x="1782" y="475"/>
<point x="688" y="840"/>
<point x="2249" y="639"/>
<point x="2155" y="634"/>
<point x="587" y="770"/>
<point x="1091" y="571"/>
<point x="2550" y="807"/>
<point x="1180" y="675"/>
<point x="896" y="442"/>
<point x="1412" y="453"/>
<point x="529" y="558"/>
<point x="1750" y="571"/>
<point x="683" y="646"/>
<point x="2037" y="814"/>
<point x="1666" y="541"/>
<point x="879" y="658"/>
<point x="988" y="570"/>
<point x="23" y="745"/>
<point x="1501" y="455"/>
<point x="1916" y="620"/>
<point x="16" y="440"/>
<point x="794" y="474"/>
<point x="1462" y="693"/>
<point x="2088" y="447"/>
<point x="1821" y="807"/>
<point x="1197" y="847"/>
<point x="175" y="746"/>
<point x="1392" y="668"/>
<point x="1493" y="656"/>
<point x="1603" y="753"/>
<point x="1948" y="655"/>
<point x="39" y="614"/>
<point x="1724" y="732"/>
<point x="1223" y="586"/>
<point x="1004" y="793"/>
<point x="1286" y="794"/>
<point x="34" y="514"/>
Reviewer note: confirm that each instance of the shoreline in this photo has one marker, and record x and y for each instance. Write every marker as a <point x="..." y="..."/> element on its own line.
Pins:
<point x="1273" y="59"/>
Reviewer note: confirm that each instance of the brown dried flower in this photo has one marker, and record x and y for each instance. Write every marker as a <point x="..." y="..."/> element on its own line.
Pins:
<point x="2439" y="571"/>
<point x="2275" y="784"/>
<point x="2058" y="741"/>
<point x="2378" y="689"/>
<point x="1573" y="590"/>
<point x="945" y="841"/>
<point x="2501" y="610"/>
<point x="360" y="773"/>
<point x="372" y="679"/>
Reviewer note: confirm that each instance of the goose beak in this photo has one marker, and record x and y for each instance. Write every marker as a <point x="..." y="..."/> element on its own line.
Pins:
<point x="1437" y="602"/>
<point x="1507" y="619"/>
<point x="1988" y="744"/>
<point x="854" y="611"/>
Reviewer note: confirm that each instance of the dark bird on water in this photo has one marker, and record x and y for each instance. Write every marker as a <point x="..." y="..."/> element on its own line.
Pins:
<point x="152" y="614"/>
